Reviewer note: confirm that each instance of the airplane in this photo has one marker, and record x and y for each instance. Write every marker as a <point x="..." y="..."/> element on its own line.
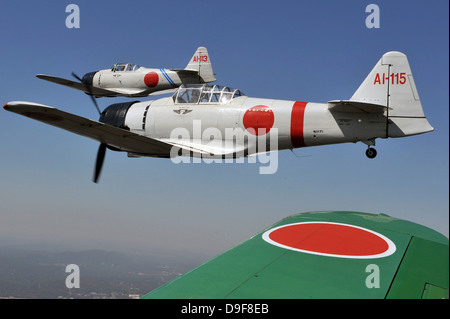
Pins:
<point x="321" y="255"/>
<point x="132" y="80"/>
<point x="386" y="105"/>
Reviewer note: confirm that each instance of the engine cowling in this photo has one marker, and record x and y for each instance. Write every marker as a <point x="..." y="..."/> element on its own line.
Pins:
<point x="115" y="114"/>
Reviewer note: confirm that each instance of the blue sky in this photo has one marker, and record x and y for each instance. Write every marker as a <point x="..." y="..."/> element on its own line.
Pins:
<point x="295" y="50"/>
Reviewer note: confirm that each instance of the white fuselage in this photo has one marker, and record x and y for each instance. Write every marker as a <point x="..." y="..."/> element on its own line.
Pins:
<point x="296" y="124"/>
<point x="141" y="82"/>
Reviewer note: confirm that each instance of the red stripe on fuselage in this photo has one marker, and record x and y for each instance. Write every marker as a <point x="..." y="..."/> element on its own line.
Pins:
<point x="297" y="123"/>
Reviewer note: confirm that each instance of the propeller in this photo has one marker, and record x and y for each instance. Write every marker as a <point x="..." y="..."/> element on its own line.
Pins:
<point x="88" y="87"/>
<point x="102" y="148"/>
<point x="99" y="162"/>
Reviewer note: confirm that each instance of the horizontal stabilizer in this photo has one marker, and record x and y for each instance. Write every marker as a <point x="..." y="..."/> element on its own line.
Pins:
<point x="346" y="106"/>
<point x="185" y="72"/>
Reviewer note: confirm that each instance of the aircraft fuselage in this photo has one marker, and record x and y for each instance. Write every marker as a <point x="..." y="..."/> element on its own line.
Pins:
<point x="253" y="120"/>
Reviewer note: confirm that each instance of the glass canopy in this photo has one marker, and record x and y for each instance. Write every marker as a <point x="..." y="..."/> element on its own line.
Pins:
<point x="124" y="67"/>
<point x="205" y="94"/>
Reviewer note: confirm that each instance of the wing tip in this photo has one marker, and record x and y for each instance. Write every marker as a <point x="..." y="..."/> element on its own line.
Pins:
<point x="10" y="105"/>
<point x="42" y="76"/>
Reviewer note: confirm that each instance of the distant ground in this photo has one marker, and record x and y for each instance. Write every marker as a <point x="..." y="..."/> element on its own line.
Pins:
<point x="40" y="274"/>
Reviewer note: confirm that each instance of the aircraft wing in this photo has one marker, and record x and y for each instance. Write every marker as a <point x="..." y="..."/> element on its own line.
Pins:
<point x="78" y="85"/>
<point x="209" y="149"/>
<point x="113" y="136"/>
<point x="168" y="91"/>
<point x="336" y="255"/>
<point x="104" y="133"/>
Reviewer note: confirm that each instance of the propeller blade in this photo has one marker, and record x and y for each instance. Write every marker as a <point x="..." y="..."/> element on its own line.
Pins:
<point x="76" y="77"/>
<point x="94" y="100"/>
<point x="99" y="161"/>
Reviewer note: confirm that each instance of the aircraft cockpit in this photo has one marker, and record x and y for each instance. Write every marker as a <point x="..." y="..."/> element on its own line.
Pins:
<point x="205" y="94"/>
<point x="124" y="67"/>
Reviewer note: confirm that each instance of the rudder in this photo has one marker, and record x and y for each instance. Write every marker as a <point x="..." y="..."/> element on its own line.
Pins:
<point x="201" y="63"/>
<point x="391" y="84"/>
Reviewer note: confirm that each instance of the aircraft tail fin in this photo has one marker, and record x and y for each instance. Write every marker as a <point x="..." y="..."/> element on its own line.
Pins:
<point x="201" y="63"/>
<point x="391" y="84"/>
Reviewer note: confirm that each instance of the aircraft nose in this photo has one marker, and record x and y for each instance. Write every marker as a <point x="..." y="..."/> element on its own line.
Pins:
<point x="88" y="77"/>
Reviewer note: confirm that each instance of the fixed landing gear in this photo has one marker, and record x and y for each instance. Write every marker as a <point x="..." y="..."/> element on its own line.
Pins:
<point x="371" y="152"/>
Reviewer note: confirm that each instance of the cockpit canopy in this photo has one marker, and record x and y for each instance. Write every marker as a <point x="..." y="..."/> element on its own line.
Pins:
<point x="205" y="94"/>
<point x="125" y="67"/>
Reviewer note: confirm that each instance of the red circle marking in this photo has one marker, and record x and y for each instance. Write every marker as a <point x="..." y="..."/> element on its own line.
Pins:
<point x="151" y="79"/>
<point x="258" y="120"/>
<point x="331" y="239"/>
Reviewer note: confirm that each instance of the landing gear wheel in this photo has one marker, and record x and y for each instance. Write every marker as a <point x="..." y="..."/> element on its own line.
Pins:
<point x="371" y="152"/>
